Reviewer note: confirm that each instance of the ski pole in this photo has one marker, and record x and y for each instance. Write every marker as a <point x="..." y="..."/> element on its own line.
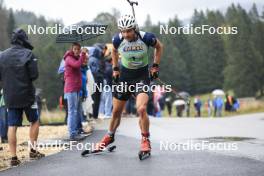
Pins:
<point x="173" y="90"/>
<point x="132" y="3"/>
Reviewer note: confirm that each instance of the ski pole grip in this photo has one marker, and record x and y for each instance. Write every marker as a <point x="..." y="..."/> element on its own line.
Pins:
<point x="132" y="2"/>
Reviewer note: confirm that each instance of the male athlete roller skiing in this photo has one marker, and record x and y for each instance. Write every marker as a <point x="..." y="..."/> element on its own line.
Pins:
<point x="132" y="45"/>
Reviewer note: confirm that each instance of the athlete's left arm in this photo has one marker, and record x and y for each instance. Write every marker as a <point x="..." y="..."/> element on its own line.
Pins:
<point x="158" y="51"/>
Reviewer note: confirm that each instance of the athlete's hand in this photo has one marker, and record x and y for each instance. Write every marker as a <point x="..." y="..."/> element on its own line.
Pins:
<point x="116" y="74"/>
<point x="154" y="71"/>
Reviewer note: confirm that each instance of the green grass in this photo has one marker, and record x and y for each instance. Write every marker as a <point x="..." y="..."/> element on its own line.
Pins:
<point x="49" y="117"/>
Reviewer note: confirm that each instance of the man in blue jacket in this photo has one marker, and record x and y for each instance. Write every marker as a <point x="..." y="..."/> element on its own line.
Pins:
<point x="218" y="105"/>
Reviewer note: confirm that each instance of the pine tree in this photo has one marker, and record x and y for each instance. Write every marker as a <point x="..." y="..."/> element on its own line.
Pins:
<point x="4" y="42"/>
<point x="180" y="41"/>
<point x="243" y="64"/>
<point x="257" y="38"/>
<point x="148" y="23"/>
<point x="11" y="23"/>
<point x="208" y="54"/>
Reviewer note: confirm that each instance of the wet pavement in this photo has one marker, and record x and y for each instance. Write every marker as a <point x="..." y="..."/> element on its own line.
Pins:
<point x="243" y="136"/>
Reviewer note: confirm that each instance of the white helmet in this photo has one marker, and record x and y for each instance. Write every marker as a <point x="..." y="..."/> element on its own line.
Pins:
<point x="127" y="22"/>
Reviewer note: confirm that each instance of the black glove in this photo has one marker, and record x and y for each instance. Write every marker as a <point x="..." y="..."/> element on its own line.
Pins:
<point x="154" y="71"/>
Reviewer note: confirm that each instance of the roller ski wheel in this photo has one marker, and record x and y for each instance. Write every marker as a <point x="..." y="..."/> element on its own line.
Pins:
<point x="86" y="153"/>
<point x="143" y="155"/>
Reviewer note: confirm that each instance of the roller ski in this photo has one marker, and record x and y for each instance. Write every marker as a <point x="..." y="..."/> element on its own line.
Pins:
<point x="145" y="149"/>
<point x="97" y="152"/>
<point x="101" y="147"/>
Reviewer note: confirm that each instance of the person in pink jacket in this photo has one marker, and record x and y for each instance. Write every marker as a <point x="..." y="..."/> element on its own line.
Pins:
<point x="74" y="59"/>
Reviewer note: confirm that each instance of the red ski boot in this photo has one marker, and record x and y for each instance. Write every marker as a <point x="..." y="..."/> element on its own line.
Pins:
<point x="145" y="148"/>
<point x="107" y="139"/>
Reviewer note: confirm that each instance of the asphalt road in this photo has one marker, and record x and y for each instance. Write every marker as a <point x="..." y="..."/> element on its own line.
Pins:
<point x="124" y="161"/>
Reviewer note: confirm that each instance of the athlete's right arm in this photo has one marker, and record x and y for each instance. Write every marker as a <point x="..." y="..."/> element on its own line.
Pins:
<point x="116" y="72"/>
<point x="115" y="57"/>
<point x="117" y="39"/>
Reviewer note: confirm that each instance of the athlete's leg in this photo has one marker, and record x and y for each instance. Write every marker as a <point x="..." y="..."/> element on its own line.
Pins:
<point x="118" y="106"/>
<point x="141" y="104"/>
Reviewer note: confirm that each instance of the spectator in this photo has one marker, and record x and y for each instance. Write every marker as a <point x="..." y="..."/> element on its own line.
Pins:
<point x="88" y="104"/>
<point x="106" y="97"/>
<point x="96" y="64"/>
<point x="188" y="107"/>
<point x="157" y="95"/>
<point x="197" y="105"/>
<point x="18" y="70"/>
<point x="228" y="103"/>
<point x="179" y="110"/>
<point x="218" y="105"/>
<point x="3" y="119"/>
<point x="236" y="104"/>
<point x="72" y="87"/>
<point x="162" y="102"/>
<point x="209" y="105"/>
<point x="168" y="102"/>
<point x="83" y="94"/>
<point x="63" y="100"/>
<point x="130" y="107"/>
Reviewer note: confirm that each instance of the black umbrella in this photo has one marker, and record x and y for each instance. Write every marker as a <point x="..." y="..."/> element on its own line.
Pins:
<point x="80" y="32"/>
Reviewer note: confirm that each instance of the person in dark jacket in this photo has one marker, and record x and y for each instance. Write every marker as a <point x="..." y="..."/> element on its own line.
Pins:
<point x="96" y="64"/>
<point x="198" y="106"/>
<point x="106" y="96"/>
<point x="18" y="70"/>
<point x="168" y="102"/>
